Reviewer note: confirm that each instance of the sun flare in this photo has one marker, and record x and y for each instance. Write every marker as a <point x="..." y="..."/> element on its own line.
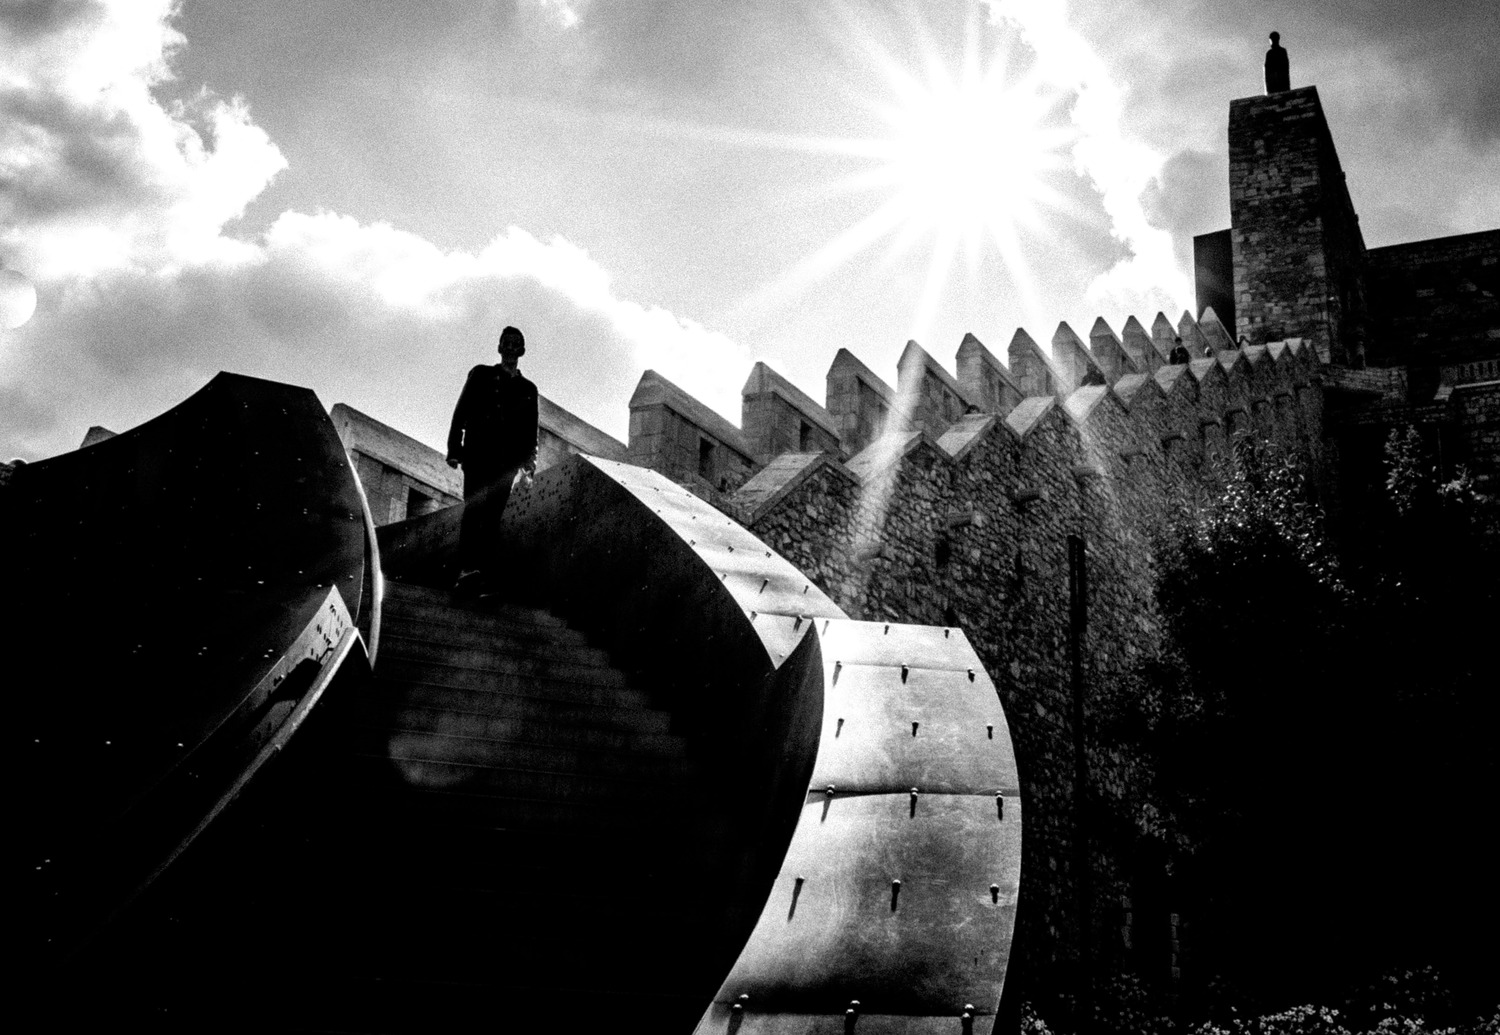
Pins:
<point x="968" y="158"/>
<point x="966" y="166"/>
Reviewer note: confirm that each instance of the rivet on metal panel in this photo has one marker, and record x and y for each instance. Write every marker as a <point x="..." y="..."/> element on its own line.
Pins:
<point x="796" y="891"/>
<point x="851" y="1016"/>
<point x="825" y="627"/>
<point x="905" y="671"/>
<point x="731" y="549"/>
<point x="887" y="631"/>
<point x="994" y="893"/>
<point x="724" y="576"/>
<point x="999" y="806"/>
<point x="971" y="675"/>
<point x="946" y="633"/>
<point x="752" y="616"/>
<point x="829" y="791"/>
<point x="967" y="1018"/>
<point x="895" y="893"/>
<point x="838" y="666"/>
<point x="763" y="584"/>
<point x="768" y="553"/>
<point x="839" y="728"/>
<point x="989" y="728"/>
<point x="740" y="1003"/>
<point x="804" y="589"/>
<point x="914" y="726"/>
<point x="914" y="793"/>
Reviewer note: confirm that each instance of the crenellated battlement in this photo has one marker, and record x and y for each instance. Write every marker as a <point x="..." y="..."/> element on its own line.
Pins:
<point x="1179" y="411"/>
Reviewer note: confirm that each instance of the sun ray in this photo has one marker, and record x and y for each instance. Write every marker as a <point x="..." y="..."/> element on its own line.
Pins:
<point x="970" y="162"/>
<point x="938" y="267"/>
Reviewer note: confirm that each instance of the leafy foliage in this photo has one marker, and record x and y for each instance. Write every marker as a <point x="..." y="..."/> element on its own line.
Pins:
<point x="1289" y="735"/>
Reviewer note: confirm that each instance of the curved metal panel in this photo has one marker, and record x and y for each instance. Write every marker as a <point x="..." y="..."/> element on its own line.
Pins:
<point x="899" y="888"/>
<point x="165" y="585"/>
<point x="911" y="706"/>
<point x="837" y="928"/>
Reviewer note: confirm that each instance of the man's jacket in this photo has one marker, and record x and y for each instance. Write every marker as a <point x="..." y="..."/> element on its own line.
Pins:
<point x="494" y="424"/>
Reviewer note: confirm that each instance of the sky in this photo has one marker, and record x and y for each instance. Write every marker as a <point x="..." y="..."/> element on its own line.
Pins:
<point x="357" y="195"/>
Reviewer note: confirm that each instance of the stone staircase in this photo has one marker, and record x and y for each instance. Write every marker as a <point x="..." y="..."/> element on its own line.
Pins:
<point x="517" y="830"/>
<point x="498" y="833"/>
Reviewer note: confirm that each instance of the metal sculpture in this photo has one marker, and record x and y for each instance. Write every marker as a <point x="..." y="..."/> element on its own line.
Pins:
<point x="177" y="599"/>
<point x="869" y="789"/>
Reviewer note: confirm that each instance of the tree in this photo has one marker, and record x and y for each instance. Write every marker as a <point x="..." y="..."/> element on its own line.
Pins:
<point x="1314" y="728"/>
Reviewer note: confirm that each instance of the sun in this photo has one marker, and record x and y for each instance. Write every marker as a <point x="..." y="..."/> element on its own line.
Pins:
<point x="966" y="166"/>
<point x="968" y="158"/>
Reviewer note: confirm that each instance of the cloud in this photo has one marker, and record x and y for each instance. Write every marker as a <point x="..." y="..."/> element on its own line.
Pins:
<point x="1187" y="198"/>
<point x="116" y="203"/>
<point x="1119" y="166"/>
<point x="1443" y="52"/>
<point x="95" y="173"/>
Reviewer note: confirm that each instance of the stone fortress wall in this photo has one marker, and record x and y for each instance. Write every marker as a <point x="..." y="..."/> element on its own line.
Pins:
<point x="949" y="500"/>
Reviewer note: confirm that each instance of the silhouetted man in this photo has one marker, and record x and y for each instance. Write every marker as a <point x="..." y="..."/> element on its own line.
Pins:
<point x="494" y="438"/>
<point x="1278" y="68"/>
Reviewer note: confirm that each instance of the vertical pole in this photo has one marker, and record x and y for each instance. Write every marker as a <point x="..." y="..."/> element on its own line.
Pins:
<point x="1078" y="592"/>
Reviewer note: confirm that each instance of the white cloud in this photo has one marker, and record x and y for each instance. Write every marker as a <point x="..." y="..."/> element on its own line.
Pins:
<point x="117" y="205"/>
<point x="1120" y="167"/>
<point x="564" y="13"/>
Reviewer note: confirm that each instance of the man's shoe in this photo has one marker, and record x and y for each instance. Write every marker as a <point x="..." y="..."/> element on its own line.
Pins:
<point x="468" y="583"/>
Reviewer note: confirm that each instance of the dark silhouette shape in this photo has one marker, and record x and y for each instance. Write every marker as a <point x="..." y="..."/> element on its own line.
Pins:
<point x="1179" y="354"/>
<point x="493" y="437"/>
<point x="233" y="527"/>
<point x="1278" y="72"/>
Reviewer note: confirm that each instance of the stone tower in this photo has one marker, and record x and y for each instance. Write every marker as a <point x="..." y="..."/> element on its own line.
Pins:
<point x="1299" y="258"/>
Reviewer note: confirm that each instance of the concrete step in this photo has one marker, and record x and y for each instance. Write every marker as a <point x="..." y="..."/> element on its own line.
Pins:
<point x="516" y="731"/>
<point x="472" y="853"/>
<point x="531" y="815"/>
<point x="398" y="643"/>
<point x="508" y="673"/>
<point x="542" y="701"/>
<point x="505" y="780"/>
<point x="404" y="594"/>
<point x="625" y="765"/>
<point x="451" y="625"/>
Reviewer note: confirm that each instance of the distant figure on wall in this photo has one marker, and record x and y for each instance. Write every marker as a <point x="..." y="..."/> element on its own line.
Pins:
<point x="1278" y="68"/>
<point x="493" y="438"/>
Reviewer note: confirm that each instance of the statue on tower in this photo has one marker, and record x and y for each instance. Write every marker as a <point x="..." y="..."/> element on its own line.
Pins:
<point x="1278" y="74"/>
